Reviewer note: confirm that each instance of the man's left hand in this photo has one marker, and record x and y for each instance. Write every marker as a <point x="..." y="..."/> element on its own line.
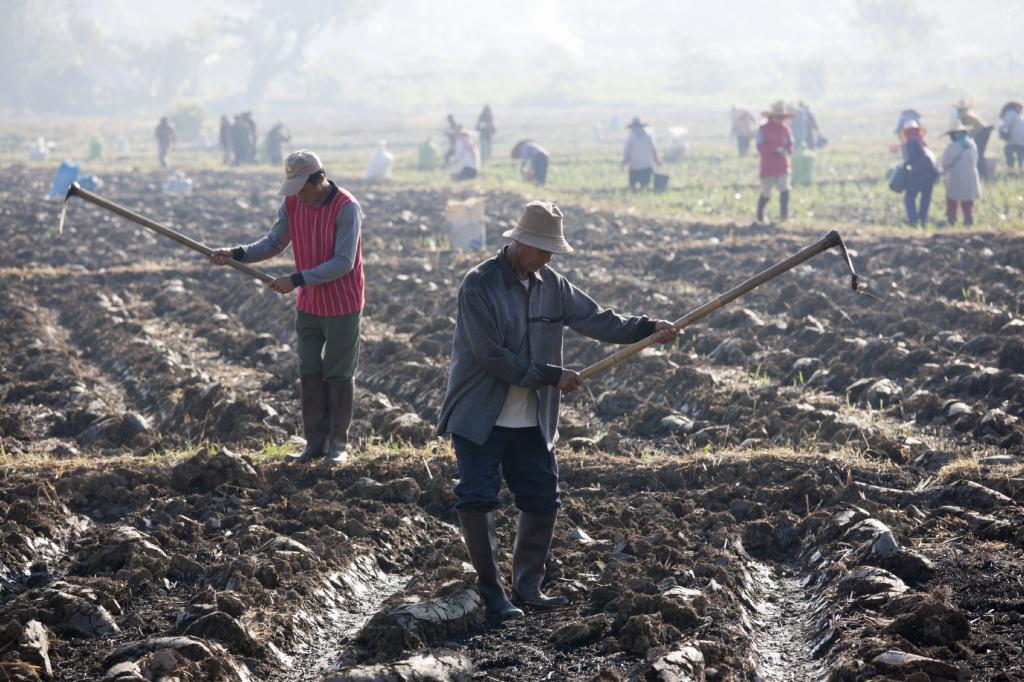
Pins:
<point x="666" y="332"/>
<point x="282" y="285"/>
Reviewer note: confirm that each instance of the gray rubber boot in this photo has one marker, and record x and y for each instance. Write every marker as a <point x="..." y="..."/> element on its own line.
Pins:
<point x="340" y="398"/>
<point x="784" y="206"/>
<point x="313" y="400"/>
<point x="533" y="542"/>
<point x="481" y="538"/>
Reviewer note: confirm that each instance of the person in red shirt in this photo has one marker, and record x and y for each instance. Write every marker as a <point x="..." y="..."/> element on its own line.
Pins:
<point x="323" y="224"/>
<point x="775" y="144"/>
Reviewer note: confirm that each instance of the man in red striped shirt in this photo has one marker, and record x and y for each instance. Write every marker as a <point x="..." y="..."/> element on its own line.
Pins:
<point x="322" y="222"/>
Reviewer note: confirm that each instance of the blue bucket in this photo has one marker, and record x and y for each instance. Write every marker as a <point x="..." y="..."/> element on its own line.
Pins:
<point x="67" y="172"/>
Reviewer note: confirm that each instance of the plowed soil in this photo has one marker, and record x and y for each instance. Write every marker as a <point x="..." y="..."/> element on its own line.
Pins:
<point x="811" y="485"/>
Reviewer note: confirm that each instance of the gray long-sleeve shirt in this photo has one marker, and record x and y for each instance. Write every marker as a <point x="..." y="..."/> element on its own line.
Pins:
<point x="506" y="336"/>
<point x="348" y="226"/>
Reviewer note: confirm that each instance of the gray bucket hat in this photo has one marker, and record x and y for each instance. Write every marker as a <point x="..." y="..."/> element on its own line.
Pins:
<point x="540" y="226"/>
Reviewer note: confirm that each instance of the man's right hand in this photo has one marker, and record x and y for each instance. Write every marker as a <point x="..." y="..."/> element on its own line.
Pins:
<point x="570" y="381"/>
<point x="220" y="256"/>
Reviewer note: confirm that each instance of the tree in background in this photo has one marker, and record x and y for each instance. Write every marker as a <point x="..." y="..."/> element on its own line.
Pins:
<point x="895" y="26"/>
<point x="275" y="36"/>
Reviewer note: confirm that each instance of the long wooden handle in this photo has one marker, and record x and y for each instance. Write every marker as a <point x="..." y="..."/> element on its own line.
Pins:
<point x="76" y="191"/>
<point x="827" y="242"/>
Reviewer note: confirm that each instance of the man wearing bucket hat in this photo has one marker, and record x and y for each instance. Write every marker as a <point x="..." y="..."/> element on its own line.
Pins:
<point x="501" y="406"/>
<point x="322" y="222"/>
<point x="775" y="145"/>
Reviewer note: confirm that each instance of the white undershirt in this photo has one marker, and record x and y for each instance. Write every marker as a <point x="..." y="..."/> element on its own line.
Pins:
<point x="520" y="408"/>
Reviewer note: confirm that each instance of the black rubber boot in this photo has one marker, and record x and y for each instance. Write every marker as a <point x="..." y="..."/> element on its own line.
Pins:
<point x="481" y="538"/>
<point x="533" y="541"/>
<point x="313" y="400"/>
<point x="761" y="203"/>
<point x="340" y="395"/>
<point x="784" y="206"/>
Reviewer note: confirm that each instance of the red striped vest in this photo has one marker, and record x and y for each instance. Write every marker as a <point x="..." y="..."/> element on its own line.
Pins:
<point x="312" y="231"/>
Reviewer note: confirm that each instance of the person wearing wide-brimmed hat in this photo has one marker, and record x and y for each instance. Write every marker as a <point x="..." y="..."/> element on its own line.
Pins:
<point x="501" y="407"/>
<point x="1012" y="133"/>
<point x="323" y="224"/>
<point x="640" y="155"/>
<point x="922" y="172"/>
<point x="775" y="145"/>
<point x="977" y="129"/>
<point x="960" y="166"/>
<point x="535" y="161"/>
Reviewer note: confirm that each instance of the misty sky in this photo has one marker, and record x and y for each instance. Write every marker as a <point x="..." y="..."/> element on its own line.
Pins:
<point x="401" y="30"/>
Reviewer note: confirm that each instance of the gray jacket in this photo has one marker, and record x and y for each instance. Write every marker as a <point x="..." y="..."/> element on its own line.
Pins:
<point x="960" y="166"/>
<point x="506" y="336"/>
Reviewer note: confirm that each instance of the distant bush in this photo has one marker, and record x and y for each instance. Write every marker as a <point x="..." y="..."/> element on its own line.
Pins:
<point x="188" y="118"/>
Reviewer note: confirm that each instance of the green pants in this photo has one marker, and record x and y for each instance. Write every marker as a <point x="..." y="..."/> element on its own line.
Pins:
<point x="328" y="346"/>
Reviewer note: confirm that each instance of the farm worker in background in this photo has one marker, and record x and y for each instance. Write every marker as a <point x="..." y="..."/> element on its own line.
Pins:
<point x="426" y="155"/>
<point x="774" y="144"/>
<point x="805" y="128"/>
<point x="165" y="137"/>
<point x="240" y="141"/>
<point x="742" y="129"/>
<point x="225" y="138"/>
<point x="322" y="222"/>
<point x="501" y="406"/>
<point x="450" y="132"/>
<point x="485" y="126"/>
<point x="379" y="165"/>
<point x="1012" y="132"/>
<point x="535" y="161"/>
<point x="960" y="166"/>
<point x="640" y="155"/>
<point x="923" y="171"/>
<point x="466" y="155"/>
<point x="906" y="116"/>
<point x="276" y="137"/>
<point x="250" y="136"/>
<point x="978" y="130"/>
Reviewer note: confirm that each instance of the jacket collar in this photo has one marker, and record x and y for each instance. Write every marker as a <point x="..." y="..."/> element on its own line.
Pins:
<point x="508" y="276"/>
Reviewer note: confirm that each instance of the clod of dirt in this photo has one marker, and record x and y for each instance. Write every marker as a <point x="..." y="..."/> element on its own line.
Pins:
<point x="900" y="662"/>
<point x="75" y="612"/>
<point x="25" y="651"/>
<point x="642" y="632"/>
<point x="223" y="628"/>
<point x="437" y="666"/>
<point x="932" y="622"/>
<point x="456" y="610"/>
<point x="874" y="585"/>
<point x="572" y="635"/>
<point x="685" y="664"/>
<point x="973" y="496"/>
<point x="122" y="548"/>
<point x="210" y="470"/>
<point x="195" y="660"/>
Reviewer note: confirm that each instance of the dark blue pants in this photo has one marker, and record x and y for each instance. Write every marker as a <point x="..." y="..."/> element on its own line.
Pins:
<point x="640" y="179"/>
<point x="521" y="456"/>
<point x="918" y="213"/>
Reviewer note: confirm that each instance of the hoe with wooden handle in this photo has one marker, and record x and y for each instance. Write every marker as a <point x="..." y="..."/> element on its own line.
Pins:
<point x="825" y="243"/>
<point x="76" y="191"/>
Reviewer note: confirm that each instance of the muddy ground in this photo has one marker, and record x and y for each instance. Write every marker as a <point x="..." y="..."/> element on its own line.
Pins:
<point x="812" y="485"/>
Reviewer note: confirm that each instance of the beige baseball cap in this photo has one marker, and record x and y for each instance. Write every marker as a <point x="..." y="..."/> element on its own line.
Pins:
<point x="297" y="169"/>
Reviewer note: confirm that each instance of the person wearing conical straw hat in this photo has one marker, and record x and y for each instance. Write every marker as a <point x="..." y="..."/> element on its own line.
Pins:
<point x="960" y="167"/>
<point x="504" y="386"/>
<point x="775" y="145"/>
<point x="977" y="129"/>
<point x="640" y="155"/>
